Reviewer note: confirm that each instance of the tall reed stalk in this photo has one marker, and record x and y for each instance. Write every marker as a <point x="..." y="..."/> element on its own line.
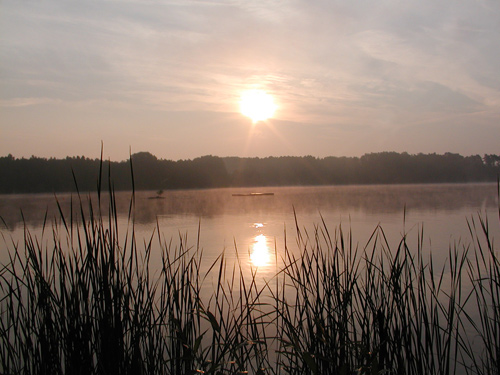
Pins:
<point x="83" y="300"/>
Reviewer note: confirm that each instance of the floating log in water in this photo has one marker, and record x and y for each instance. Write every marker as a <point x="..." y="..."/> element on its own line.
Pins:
<point x="251" y="194"/>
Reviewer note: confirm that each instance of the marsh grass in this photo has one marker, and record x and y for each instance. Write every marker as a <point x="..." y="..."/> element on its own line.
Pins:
<point x="81" y="299"/>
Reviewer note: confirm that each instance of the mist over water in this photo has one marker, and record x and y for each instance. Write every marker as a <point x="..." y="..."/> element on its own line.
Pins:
<point x="251" y="229"/>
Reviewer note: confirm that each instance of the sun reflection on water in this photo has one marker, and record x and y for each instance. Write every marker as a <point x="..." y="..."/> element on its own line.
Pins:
<point x="260" y="255"/>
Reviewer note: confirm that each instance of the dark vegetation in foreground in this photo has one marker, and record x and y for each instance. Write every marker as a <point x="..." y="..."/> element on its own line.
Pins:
<point x="55" y="175"/>
<point x="82" y="300"/>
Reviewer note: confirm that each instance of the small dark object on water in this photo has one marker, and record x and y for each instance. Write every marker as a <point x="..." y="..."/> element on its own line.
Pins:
<point x="158" y="195"/>
<point x="252" y="194"/>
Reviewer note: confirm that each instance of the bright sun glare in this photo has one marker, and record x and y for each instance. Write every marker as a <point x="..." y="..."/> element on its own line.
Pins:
<point x="260" y="252"/>
<point x="257" y="104"/>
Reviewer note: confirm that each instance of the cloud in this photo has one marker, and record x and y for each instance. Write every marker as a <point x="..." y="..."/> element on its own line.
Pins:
<point x="343" y="65"/>
<point x="25" y="102"/>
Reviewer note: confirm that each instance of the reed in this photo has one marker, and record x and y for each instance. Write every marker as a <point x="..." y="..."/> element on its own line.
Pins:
<point x="81" y="299"/>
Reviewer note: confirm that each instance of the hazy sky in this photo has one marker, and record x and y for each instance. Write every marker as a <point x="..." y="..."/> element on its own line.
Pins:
<point x="348" y="77"/>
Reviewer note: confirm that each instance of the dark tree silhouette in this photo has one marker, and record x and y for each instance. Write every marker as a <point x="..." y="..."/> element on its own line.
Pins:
<point x="150" y="173"/>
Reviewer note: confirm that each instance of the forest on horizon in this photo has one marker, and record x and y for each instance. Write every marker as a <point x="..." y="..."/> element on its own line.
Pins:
<point x="37" y="175"/>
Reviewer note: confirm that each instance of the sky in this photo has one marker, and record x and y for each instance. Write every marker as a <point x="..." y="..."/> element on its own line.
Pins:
<point x="348" y="77"/>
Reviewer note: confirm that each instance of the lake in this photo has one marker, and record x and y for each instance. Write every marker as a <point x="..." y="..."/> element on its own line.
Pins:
<point x="255" y="226"/>
<point x="253" y="231"/>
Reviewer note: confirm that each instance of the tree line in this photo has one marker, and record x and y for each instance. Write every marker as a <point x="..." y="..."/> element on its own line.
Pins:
<point x="145" y="171"/>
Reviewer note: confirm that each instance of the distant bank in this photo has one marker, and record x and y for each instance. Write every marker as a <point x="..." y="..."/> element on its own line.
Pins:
<point x="146" y="172"/>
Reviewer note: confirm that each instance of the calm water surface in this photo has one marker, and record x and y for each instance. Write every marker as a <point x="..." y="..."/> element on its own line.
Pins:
<point x="256" y="226"/>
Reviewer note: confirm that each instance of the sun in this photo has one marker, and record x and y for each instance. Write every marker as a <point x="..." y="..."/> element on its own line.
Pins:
<point x="257" y="105"/>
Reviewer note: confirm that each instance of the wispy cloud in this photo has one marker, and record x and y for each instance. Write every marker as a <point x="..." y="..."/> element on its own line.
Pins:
<point x="25" y="102"/>
<point x="347" y="65"/>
